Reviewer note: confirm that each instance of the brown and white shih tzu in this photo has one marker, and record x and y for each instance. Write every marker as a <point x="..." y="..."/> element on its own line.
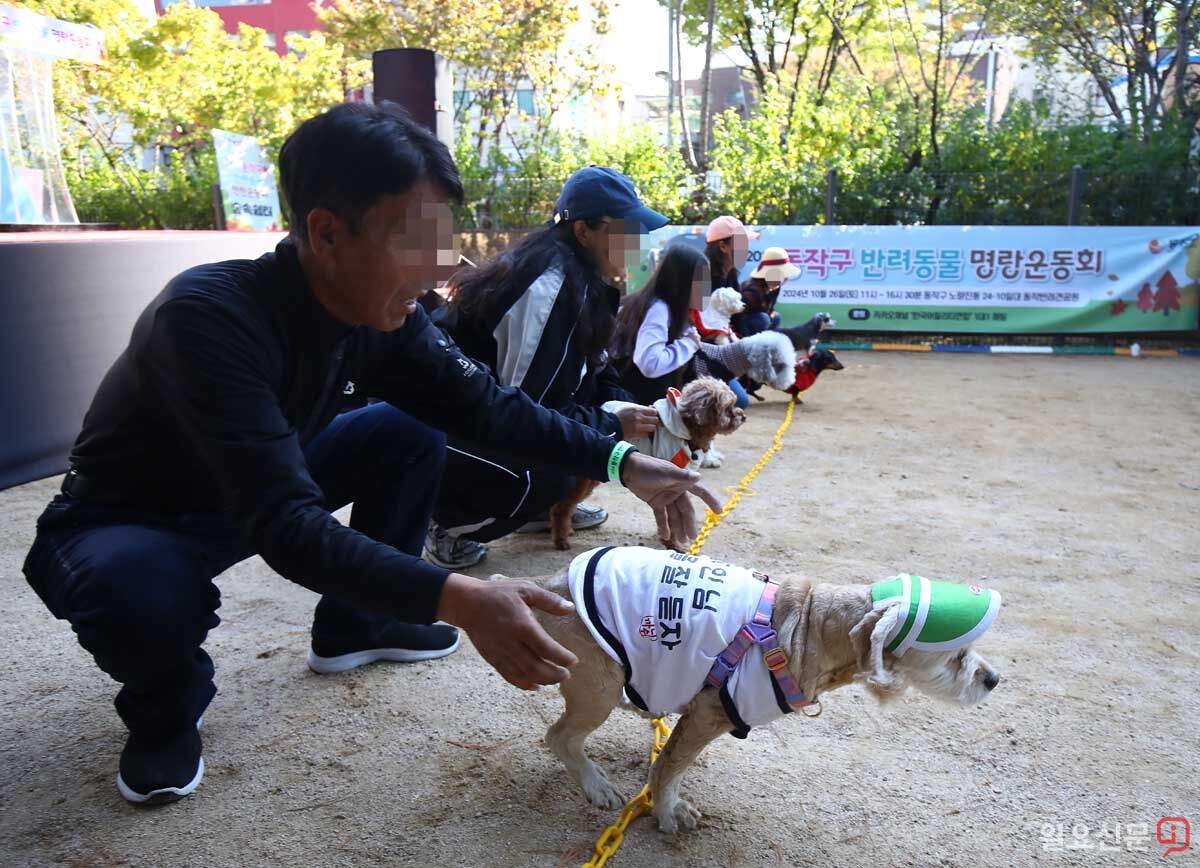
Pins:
<point x="688" y="422"/>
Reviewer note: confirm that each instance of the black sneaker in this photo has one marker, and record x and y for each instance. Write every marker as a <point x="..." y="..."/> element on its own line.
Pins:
<point x="401" y="643"/>
<point x="157" y="772"/>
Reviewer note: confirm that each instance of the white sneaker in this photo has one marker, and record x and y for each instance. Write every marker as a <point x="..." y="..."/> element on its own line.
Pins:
<point x="583" y="518"/>
<point x="452" y="552"/>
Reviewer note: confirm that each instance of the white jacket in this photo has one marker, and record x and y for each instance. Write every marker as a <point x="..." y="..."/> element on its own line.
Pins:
<point x="653" y="352"/>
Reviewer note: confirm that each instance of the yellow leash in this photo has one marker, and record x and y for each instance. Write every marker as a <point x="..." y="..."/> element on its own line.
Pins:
<point x="611" y="839"/>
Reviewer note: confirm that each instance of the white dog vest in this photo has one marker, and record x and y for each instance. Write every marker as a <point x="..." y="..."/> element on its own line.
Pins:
<point x="665" y="617"/>
<point x="670" y="440"/>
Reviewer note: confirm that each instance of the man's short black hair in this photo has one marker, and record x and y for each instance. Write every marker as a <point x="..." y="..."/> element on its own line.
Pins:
<point x="348" y="157"/>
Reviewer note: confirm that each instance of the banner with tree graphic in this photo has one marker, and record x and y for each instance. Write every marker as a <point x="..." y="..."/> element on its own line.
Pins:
<point x="994" y="279"/>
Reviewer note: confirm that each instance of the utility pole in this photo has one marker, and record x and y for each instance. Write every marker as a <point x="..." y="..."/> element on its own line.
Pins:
<point x="670" y="72"/>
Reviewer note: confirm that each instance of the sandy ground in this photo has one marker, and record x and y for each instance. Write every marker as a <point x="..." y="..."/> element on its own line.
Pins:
<point x="1069" y="484"/>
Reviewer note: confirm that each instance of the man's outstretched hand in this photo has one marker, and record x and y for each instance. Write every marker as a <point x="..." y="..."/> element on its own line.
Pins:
<point x="498" y="617"/>
<point x="667" y="489"/>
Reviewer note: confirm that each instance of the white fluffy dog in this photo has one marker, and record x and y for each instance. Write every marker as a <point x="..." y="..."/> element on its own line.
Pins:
<point x="720" y="306"/>
<point x="650" y="623"/>
<point x="770" y="358"/>
<point x="767" y="357"/>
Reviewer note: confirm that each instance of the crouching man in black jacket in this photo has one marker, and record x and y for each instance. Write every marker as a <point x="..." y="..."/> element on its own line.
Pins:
<point x="213" y="437"/>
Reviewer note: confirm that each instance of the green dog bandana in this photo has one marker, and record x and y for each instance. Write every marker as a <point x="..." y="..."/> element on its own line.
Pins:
<point x="935" y="616"/>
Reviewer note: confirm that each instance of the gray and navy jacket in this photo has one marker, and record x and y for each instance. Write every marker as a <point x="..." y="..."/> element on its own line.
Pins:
<point x="529" y="341"/>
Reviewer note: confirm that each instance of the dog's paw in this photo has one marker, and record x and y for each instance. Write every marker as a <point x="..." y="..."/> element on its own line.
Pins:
<point x="676" y="815"/>
<point x="674" y="544"/>
<point x="601" y="793"/>
<point x="712" y="458"/>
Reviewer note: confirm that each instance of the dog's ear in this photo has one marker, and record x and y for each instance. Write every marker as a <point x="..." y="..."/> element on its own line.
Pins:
<point x="870" y="635"/>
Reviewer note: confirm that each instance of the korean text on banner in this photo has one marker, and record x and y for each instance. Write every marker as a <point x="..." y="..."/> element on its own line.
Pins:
<point x="27" y="31"/>
<point x="994" y="279"/>
<point x="248" y="188"/>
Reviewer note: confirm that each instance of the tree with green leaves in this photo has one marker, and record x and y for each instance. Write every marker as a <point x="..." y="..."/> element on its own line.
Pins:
<point x="165" y="86"/>
<point x="518" y="188"/>
<point x="796" y="44"/>
<point x="498" y="48"/>
<point x="1136" y="52"/>
<point x="934" y="47"/>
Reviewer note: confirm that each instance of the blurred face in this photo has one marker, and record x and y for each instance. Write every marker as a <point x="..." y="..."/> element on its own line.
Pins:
<point x="404" y="246"/>
<point x="615" y="246"/>
<point x="701" y="287"/>
<point x="737" y="247"/>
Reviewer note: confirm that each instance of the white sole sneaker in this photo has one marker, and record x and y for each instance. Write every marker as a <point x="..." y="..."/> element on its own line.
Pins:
<point x="580" y="520"/>
<point x="446" y="564"/>
<point x="160" y="796"/>
<point x="346" y="662"/>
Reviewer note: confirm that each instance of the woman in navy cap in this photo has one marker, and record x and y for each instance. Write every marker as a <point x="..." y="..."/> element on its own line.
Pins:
<point x="540" y="317"/>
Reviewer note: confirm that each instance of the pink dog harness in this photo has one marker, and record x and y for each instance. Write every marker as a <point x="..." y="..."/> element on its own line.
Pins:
<point x="760" y="632"/>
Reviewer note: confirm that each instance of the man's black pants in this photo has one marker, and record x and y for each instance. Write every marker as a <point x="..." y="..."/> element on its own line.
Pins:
<point x="487" y="494"/>
<point x="138" y="587"/>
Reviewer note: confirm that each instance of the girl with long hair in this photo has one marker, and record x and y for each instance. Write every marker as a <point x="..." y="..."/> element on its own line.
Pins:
<point x="655" y="339"/>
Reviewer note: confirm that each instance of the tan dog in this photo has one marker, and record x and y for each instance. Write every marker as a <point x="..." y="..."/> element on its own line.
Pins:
<point x="833" y="636"/>
<point x="689" y="421"/>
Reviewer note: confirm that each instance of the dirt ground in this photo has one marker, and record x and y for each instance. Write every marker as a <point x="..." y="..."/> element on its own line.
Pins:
<point x="1070" y="484"/>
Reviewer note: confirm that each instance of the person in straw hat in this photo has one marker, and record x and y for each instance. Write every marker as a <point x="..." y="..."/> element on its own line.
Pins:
<point x="761" y="291"/>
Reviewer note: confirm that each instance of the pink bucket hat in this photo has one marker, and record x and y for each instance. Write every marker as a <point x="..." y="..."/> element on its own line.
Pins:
<point x="727" y="227"/>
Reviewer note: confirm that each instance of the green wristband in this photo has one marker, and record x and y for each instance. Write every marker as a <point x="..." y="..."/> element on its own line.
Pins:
<point x="616" y="457"/>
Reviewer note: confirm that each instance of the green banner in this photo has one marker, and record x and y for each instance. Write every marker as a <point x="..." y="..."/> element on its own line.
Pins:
<point x="983" y="279"/>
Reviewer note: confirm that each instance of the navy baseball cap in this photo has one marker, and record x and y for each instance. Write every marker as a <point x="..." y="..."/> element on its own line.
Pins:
<point x="600" y="192"/>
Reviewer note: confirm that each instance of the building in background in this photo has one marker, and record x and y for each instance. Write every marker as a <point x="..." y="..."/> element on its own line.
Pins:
<point x="280" y="18"/>
<point x="1005" y="73"/>
<point x="635" y="46"/>
<point x="731" y="91"/>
